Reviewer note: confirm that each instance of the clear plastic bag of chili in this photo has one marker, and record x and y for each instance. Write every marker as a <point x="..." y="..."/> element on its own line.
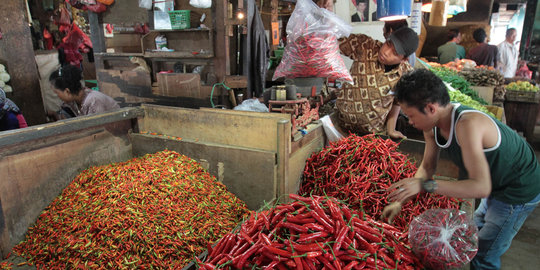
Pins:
<point x="443" y="238"/>
<point x="312" y="48"/>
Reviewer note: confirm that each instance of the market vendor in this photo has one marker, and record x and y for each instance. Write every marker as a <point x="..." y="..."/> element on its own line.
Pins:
<point x="368" y="106"/>
<point x="494" y="162"/>
<point x="10" y="115"/>
<point x="78" y="100"/>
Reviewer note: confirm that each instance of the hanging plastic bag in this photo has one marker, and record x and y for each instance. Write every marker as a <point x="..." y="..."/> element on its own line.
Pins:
<point x="443" y="238"/>
<point x="201" y="3"/>
<point x="312" y="48"/>
<point x="147" y="4"/>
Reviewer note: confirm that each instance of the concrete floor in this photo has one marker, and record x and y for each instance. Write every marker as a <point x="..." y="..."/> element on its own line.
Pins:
<point x="522" y="254"/>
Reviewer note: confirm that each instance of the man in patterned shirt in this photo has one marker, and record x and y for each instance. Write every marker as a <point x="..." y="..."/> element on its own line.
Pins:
<point x="368" y="106"/>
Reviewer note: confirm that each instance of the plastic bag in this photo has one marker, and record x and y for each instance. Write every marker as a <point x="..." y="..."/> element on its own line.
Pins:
<point x="444" y="238"/>
<point x="312" y="44"/>
<point x="201" y="3"/>
<point x="106" y="2"/>
<point x="252" y="105"/>
<point x="147" y="4"/>
<point x="332" y="134"/>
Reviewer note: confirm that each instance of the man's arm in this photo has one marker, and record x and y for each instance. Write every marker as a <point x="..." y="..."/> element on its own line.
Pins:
<point x="391" y="120"/>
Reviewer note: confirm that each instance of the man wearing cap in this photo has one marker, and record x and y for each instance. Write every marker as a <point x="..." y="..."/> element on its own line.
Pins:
<point x="368" y="106"/>
<point x="10" y="115"/>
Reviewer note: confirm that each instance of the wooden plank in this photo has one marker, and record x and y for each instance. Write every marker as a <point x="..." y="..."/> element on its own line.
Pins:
<point x="283" y="151"/>
<point x="124" y="43"/>
<point x="236" y="81"/>
<point x="40" y="169"/>
<point x="219" y="126"/>
<point x="38" y="132"/>
<point x="178" y="85"/>
<point x="247" y="173"/>
<point x="313" y="142"/>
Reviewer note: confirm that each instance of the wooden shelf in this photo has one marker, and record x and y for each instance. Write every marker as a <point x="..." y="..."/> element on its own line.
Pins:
<point x="151" y="54"/>
<point x="119" y="54"/>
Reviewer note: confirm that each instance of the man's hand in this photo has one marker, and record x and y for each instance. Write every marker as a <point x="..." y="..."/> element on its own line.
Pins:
<point x="394" y="134"/>
<point x="391" y="211"/>
<point x="404" y="189"/>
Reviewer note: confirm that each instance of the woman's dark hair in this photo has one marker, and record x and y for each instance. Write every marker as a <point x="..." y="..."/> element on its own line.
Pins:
<point x="479" y="35"/>
<point x="420" y="87"/>
<point x="69" y="77"/>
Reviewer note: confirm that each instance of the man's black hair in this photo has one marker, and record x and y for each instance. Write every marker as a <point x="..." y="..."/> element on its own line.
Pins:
<point x="420" y="87"/>
<point x="479" y="35"/>
<point x="452" y="33"/>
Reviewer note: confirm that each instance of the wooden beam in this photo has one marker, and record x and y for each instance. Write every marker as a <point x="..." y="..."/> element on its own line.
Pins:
<point x="222" y="58"/>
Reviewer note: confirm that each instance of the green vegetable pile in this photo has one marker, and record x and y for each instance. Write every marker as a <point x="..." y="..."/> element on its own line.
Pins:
<point x="457" y="96"/>
<point x="458" y="82"/>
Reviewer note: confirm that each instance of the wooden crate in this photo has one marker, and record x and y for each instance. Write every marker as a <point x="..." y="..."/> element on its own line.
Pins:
<point x="523" y="96"/>
<point x="251" y="153"/>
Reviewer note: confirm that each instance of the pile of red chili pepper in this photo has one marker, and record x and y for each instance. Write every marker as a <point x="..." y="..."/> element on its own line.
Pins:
<point x="359" y="169"/>
<point x="156" y="211"/>
<point x="444" y="238"/>
<point x="311" y="233"/>
<point x="313" y="55"/>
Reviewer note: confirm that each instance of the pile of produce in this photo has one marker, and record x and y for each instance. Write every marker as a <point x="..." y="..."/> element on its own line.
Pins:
<point x="444" y="238"/>
<point x="358" y="170"/>
<point x="463" y="99"/>
<point x="458" y="82"/>
<point x="311" y="233"/>
<point x="482" y="76"/>
<point x="156" y="211"/>
<point x="457" y="65"/>
<point x="522" y="86"/>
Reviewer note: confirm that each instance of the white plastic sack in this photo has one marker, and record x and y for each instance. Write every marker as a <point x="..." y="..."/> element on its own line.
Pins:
<point x="201" y="3"/>
<point x="252" y="105"/>
<point x="147" y="4"/>
<point x="332" y="134"/>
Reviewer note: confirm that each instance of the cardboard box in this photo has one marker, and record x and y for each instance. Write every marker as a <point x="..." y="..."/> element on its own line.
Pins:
<point x="485" y="92"/>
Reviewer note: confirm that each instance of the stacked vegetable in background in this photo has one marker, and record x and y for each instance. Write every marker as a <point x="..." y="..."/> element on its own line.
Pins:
<point x="157" y="211"/>
<point x="358" y="170"/>
<point x="311" y="233"/>
<point x="457" y="82"/>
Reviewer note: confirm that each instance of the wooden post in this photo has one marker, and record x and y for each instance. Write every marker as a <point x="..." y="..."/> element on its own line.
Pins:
<point x="17" y="52"/>
<point x="222" y="58"/>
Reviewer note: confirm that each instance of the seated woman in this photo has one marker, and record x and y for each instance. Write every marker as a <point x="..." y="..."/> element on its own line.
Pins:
<point x="10" y="115"/>
<point x="78" y="100"/>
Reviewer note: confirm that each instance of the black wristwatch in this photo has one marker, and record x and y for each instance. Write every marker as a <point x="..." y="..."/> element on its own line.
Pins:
<point x="429" y="185"/>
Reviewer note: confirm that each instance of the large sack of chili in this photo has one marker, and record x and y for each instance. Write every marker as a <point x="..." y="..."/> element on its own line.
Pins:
<point x="444" y="238"/>
<point x="311" y="233"/>
<point x="312" y="48"/>
<point x="358" y="170"/>
<point x="153" y="212"/>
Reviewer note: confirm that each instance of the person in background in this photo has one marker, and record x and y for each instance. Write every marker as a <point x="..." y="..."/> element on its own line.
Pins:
<point x="368" y="105"/>
<point x="508" y="54"/>
<point x="451" y="50"/>
<point x="361" y="14"/>
<point x="326" y="4"/>
<point x="495" y="163"/>
<point x="391" y="26"/>
<point x="483" y="54"/>
<point x="10" y="115"/>
<point x="78" y="100"/>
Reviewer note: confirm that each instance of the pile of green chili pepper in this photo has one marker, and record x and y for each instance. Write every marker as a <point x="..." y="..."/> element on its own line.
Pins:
<point x="358" y="170"/>
<point x="311" y="233"/>
<point x="153" y="212"/>
<point x="458" y="82"/>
